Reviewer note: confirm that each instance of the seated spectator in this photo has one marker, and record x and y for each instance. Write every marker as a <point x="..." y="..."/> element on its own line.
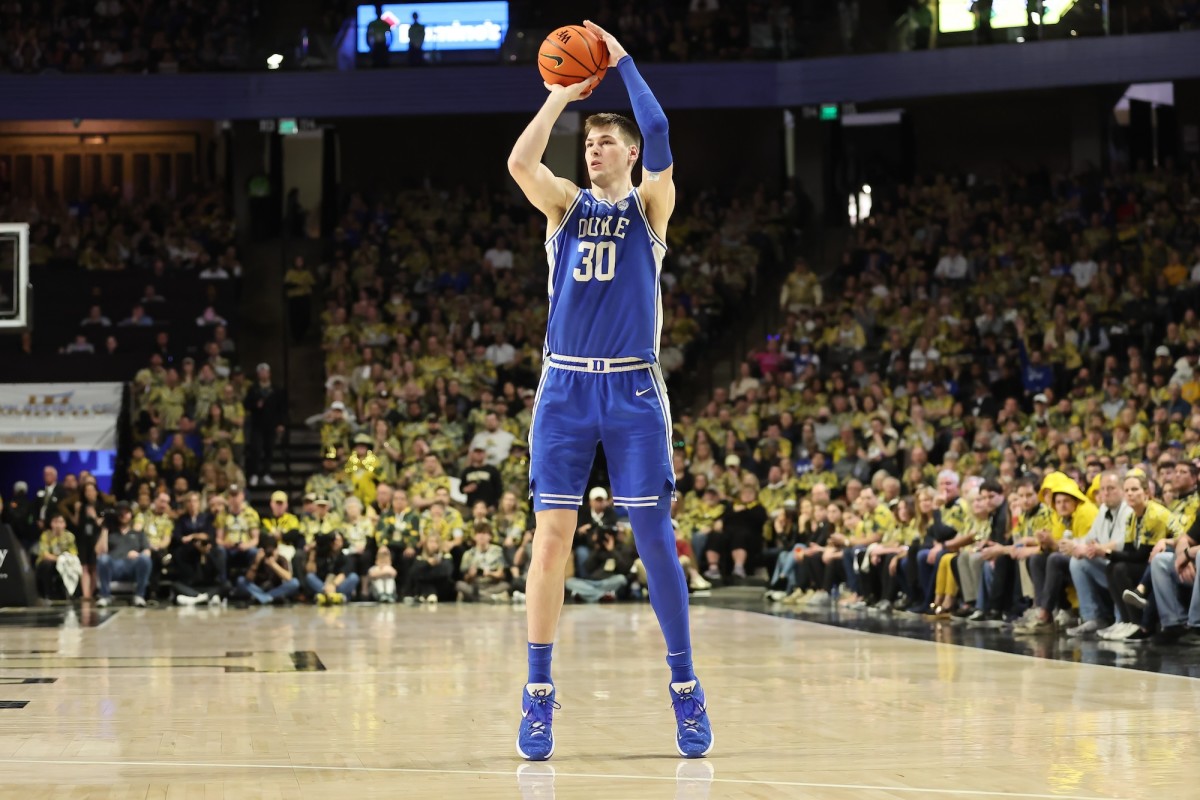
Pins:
<point x="1090" y="560"/>
<point x="158" y="523"/>
<point x="57" y="544"/>
<point x="605" y="573"/>
<point x="432" y="573"/>
<point x="269" y="579"/>
<point x="1050" y="569"/>
<point x="359" y="534"/>
<point x="598" y="515"/>
<point x="123" y="554"/>
<point x="197" y="573"/>
<point x="328" y="577"/>
<point x="1147" y="528"/>
<point x="95" y="318"/>
<point x="137" y="318"/>
<point x="382" y="577"/>
<point x="80" y="346"/>
<point x="484" y="573"/>
<point x="238" y="530"/>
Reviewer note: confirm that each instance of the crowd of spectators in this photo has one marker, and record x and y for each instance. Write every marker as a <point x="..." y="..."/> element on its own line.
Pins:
<point x="936" y="429"/>
<point x="133" y="277"/>
<point x="80" y="36"/>
<point x="431" y="319"/>
<point x="987" y="411"/>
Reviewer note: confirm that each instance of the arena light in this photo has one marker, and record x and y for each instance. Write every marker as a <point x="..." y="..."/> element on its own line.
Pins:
<point x="274" y="61"/>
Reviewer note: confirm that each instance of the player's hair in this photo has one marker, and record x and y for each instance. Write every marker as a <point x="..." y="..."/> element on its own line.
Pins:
<point x="627" y="127"/>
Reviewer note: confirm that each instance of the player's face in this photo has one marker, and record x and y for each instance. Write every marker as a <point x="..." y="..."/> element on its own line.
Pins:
<point x="607" y="155"/>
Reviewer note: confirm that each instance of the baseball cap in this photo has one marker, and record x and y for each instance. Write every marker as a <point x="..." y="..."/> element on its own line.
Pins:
<point x="235" y="489"/>
<point x="310" y="498"/>
<point x="20" y="486"/>
<point x="732" y="461"/>
<point x="337" y="405"/>
<point x="1040" y="398"/>
<point x="789" y="503"/>
<point x="1162" y="350"/>
<point x="321" y="501"/>
<point x="278" y="497"/>
<point x="598" y="493"/>
<point x="262" y="366"/>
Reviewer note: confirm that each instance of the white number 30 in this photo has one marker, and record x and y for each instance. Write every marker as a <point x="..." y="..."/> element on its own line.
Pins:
<point x="604" y="256"/>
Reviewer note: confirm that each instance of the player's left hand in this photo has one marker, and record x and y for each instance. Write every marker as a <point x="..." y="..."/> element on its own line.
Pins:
<point x="576" y="91"/>
<point x="615" y="51"/>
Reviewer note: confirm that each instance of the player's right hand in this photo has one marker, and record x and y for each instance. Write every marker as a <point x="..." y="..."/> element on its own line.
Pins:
<point x="577" y="91"/>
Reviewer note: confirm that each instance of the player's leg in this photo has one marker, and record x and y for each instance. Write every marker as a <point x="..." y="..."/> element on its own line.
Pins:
<point x="637" y="443"/>
<point x="562" y="447"/>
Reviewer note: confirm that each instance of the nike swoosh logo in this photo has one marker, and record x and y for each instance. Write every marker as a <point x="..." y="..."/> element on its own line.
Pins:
<point x="539" y="646"/>
<point x="558" y="61"/>
<point x="639" y="394"/>
<point x="681" y="652"/>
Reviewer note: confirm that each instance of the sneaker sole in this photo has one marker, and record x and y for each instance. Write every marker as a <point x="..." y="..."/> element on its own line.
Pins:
<point x="708" y="750"/>
<point x="535" y="758"/>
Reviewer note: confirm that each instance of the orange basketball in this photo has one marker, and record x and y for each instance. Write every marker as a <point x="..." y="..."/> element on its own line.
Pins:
<point x="572" y="54"/>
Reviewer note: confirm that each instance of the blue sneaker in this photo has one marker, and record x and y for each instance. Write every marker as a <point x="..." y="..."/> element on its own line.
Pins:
<point x="535" y="739"/>
<point x="694" y="738"/>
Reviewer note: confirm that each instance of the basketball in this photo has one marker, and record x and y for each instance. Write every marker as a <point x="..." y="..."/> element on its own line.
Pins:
<point x="572" y="54"/>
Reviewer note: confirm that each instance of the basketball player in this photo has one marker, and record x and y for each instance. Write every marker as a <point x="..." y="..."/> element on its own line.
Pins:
<point x="601" y="381"/>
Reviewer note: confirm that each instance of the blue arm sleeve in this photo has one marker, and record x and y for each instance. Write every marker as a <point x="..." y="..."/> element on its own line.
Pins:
<point x="656" y="152"/>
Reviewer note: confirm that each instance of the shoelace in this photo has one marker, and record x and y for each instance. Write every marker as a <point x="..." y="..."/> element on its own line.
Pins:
<point x="541" y="712"/>
<point x="688" y="709"/>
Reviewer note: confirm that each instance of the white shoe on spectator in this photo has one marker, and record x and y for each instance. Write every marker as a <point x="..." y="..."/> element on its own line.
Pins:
<point x="698" y="583"/>
<point x="1126" y="630"/>
<point x="1084" y="628"/>
<point x="139" y="601"/>
<point x="518" y="597"/>
<point x="268" y="480"/>
<point x="254" y="480"/>
<point x="1114" y="632"/>
<point x="431" y="599"/>
<point x="185" y="600"/>
<point x="103" y="602"/>
<point x="1063" y="618"/>
<point x="216" y="600"/>
<point x="775" y="596"/>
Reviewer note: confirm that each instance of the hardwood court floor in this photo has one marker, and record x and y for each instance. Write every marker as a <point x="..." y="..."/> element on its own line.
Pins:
<point x="404" y="702"/>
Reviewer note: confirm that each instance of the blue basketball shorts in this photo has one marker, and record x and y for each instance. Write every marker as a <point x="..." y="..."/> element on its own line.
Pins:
<point x="586" y="402"/>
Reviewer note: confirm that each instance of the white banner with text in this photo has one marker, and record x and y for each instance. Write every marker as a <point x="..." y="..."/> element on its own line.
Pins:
<point x="59" y="416"/>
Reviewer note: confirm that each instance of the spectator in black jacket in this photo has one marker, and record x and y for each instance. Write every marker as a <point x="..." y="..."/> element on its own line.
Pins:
<point x="738" y="535"/>
<point x="266" y="409"/>
<point x="197" y="575"/>
<point x="481" y="481"/>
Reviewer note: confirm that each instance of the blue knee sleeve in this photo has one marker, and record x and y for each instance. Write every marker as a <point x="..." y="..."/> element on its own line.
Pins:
<point x="668" y="588"/>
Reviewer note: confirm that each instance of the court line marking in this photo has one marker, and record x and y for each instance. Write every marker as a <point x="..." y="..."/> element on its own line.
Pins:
<point x="556" y="774"/>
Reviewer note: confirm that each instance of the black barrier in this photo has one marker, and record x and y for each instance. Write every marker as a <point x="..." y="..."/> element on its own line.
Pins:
<point x="17" y="584"/>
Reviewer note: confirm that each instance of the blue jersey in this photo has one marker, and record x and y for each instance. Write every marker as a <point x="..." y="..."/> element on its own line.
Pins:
<point x="605" y="262"/>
